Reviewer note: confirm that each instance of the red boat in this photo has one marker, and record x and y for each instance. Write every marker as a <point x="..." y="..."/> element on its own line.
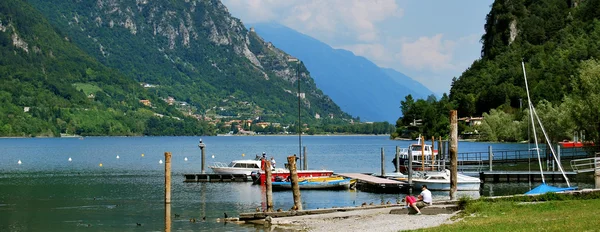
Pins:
<point x="282" y="174"/>
<point x="572" y="144"/>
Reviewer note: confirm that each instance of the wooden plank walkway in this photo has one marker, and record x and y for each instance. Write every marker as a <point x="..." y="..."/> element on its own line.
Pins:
<point x="213" y="177"/>
<point x="371" y="183"/>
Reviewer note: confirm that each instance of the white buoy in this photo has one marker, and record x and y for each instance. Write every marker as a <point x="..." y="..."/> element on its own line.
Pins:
<point x="213" y="156"/>
<point x="160" y="161"/>
<point x="185" y="158"/>
<point x="19" y="162"/>
<point x="70" y="159"/>
<point x="118" y="157"/>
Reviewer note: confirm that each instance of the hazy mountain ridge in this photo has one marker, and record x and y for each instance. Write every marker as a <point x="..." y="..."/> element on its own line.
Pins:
<point x="356" y="84"/>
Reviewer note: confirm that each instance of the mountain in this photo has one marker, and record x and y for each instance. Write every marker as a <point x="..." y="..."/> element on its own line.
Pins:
<point x="553" y="37"/>
<point x="49" y="86"/>
<point x="194" y="52"/>
<point x="356" y="84"/>
<point x="408" y="82"/>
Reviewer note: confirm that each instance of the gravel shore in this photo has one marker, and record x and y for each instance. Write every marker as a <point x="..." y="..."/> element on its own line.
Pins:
<point x="359" y="220"/>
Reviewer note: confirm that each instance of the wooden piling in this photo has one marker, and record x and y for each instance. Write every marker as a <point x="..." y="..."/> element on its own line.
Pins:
<point x="202" y="146"/>
<point x="382" y="162"/>
<point x="167" y="177"/>
<point x="294" y="180"/>
<point x="432" y="153"/>
<point x="397" y="159"/>
<point x="596" y="172"/>
<point x="305" y="163"/>
<point x="269" y="186"/>
<point x="490" y="157"/>
<point x="440" y="150"/>
<point x="422" y="153"/>
<point x="453" y="154"/>
<point x="167" y="217"/>
<point x="410" y="170"/>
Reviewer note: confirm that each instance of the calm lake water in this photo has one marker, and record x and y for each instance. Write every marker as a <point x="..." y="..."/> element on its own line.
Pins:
<point x="47" y="192"/>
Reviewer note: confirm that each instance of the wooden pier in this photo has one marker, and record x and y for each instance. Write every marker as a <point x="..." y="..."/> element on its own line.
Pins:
<point x="369" y="183"/>
<point x="521" y="176"/>
<point x="212" y="177"/>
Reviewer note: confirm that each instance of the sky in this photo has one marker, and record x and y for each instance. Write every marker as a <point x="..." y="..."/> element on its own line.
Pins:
<point x="431" y="41"/>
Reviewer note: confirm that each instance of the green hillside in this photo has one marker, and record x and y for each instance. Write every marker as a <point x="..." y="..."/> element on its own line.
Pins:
<point x="195" y="52"/>
<point x="559" y="41"/>
<point x="49" y="86"/>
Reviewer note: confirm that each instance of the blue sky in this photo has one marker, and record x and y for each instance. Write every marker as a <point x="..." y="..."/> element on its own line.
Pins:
<point x="431" y="41"/>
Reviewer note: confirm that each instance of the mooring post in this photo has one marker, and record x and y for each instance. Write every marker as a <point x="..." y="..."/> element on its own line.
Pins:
<point x="558" y="154"/>
<point x="167" y="217"/>
<point x="397" y="163"/>
<point x="490" y="157"/>
<point x="269" y="187"/>
<point x="440" y="153"/>
<point x="410" y="170"/>
<point x="305" y="167"/>
<point x="433" y="153"/>
<point x="596" y="171"/>
<point x="167" y="177"/>
<point x="201" y="145"/>
<point x="453" y="154"/>
<point x="423" y="153"/>
<point x="294" y="180"/>
<point x="382" y="163"/>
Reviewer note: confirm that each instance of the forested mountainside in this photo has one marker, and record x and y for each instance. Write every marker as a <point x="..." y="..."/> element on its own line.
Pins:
<point x="196" y="53"/>
<point x="559" y="41"/>
<point x="552" y="37"/>
<point x="49" y="86"/>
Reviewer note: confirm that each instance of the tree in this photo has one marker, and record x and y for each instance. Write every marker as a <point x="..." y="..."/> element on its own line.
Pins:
<point x="584" y="103"/>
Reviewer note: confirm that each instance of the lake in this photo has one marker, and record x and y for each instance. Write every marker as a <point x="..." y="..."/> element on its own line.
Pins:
<point x="95" y="191"/>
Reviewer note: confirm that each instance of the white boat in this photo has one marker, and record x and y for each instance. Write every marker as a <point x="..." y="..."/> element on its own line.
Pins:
<point x="237" y="167"/>
<point x="423" y="156"/>
<point x="440" y="180"/>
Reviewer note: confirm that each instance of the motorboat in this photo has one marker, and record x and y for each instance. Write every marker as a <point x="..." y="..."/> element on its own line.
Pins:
<point x="259" y="176"/>
<point x="423" y="156"/>
<point x="440" y="180"/>
<point x="319" y="183"/>
<point x="237" y="167"/>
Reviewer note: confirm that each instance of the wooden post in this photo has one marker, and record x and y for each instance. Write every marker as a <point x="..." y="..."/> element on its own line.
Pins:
<point x="490" y="157"/>
<point x="410" y="170"/>
<point x="453" y="154"/>
<point x="269" y="187"/>
<point x="201" y="145"/>
<point x="294" y="179"/>
<point x="305" y="167"/>
<point x="397" y="159"/>
<point x="597" y="171"/>
<point x="167" y="217"/>
<point x="440" y="151"/>
<point x="432" y="153"/>
<point x="422" y="153"/>
<point x="167" y="177"/>
<point x="382" y="163"/>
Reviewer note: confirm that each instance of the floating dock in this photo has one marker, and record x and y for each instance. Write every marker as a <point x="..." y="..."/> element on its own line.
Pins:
<point x="370" y="183"/>
<point x="213" y="177"/>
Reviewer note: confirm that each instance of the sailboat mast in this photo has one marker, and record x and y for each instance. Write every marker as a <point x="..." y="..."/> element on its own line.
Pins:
<point x="537" y="149"/>
<point x="551" y="148"/>
<point x="299" y="126"/>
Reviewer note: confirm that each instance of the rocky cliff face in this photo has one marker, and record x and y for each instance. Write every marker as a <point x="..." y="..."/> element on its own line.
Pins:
<point x="186" y="46"/>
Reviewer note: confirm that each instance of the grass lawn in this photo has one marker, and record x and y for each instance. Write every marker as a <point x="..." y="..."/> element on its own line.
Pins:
<point x="560" y="215"/>
<point x="87" y="88"/>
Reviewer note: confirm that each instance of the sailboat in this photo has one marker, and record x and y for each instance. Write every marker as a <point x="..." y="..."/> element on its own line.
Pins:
<point x="543" y="188"/>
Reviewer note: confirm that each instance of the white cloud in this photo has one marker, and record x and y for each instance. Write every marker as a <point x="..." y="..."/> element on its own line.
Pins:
<point x="330" y="19"/>
<point x="428" y="53"/>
